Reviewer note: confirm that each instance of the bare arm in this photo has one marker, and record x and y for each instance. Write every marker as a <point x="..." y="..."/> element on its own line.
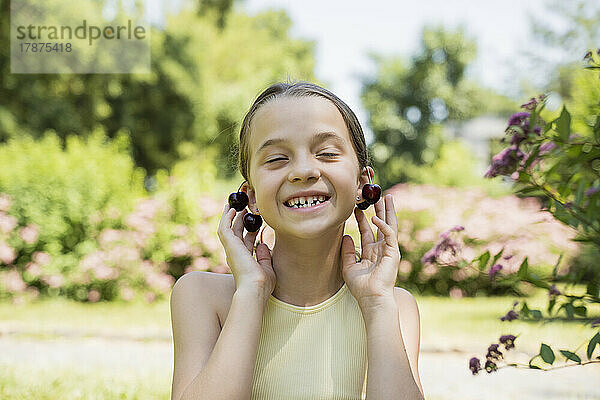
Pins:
<point x="225" y="371"/>
<point x="389" y="374"/>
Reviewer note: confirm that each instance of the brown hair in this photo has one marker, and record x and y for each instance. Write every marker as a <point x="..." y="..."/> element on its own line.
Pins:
<point x="300" y="89"/>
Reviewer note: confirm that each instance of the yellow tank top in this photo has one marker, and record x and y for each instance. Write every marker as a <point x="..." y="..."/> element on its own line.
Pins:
<point x="317" y="352"/>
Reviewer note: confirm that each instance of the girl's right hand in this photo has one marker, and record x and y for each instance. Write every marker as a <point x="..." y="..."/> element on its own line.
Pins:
<point x="248" y="272"/>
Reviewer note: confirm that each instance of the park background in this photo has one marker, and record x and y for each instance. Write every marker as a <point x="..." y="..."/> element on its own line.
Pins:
<point x="112" y="185"/>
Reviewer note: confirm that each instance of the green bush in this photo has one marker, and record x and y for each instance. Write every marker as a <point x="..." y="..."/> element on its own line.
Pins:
<point x="77" y="222"/>
<point x="59" y="196"/>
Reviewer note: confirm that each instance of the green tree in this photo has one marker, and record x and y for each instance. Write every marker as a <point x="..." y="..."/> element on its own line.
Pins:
<point x="560" y="30"/>
<point x="203" y="78"/>
<point x="409" y="103"/>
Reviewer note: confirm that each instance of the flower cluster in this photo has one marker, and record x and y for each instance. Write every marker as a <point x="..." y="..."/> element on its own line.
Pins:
<point x="494" y="270"/>
<point x="447" y="244"/>
<point x="512" y="159"/>
<point x="493" y="355"/>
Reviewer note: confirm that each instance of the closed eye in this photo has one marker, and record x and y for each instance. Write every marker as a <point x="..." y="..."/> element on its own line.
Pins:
<point x="322" y="154"/>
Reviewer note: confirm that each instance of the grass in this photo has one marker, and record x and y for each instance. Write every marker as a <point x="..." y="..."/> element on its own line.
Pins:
<point x="141" y="330"/>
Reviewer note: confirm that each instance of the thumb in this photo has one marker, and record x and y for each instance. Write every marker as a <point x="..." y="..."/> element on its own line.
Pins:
<point x="348" y="251"/>
<point x="263" y="255"/>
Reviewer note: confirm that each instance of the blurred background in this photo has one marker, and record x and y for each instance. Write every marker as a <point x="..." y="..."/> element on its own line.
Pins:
<point x="112" y="185"/>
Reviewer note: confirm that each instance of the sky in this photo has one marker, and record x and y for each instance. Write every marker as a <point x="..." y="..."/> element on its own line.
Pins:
<point x="346" y="30"/>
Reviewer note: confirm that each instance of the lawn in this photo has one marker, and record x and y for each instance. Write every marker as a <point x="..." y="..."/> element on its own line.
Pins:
<point x="62" y="349"/>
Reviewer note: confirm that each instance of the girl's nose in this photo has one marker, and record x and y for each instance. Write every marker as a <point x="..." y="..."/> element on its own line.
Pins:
<point x="303" y="171"/>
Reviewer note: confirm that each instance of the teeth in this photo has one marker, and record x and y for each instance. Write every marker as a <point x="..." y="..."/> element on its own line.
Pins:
<point x="305" y="201"/>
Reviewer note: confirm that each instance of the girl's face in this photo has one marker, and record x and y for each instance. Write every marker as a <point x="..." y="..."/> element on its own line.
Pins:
<point x="300" y="144"/>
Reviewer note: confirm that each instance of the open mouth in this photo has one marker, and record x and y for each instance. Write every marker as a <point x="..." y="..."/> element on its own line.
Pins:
<point x="307" y="203"/>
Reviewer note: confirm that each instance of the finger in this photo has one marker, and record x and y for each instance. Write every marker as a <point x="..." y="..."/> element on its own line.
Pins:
<point x="249" y="240"/>
<point x="366" y="234"/>
<point x="348" y="251"/>
<point x="380" y="212"/>
<point x="390" y="213"/>
<point x="238" y="225"/>
<point x="389" y="235"/>
<point x="225" y="222"/>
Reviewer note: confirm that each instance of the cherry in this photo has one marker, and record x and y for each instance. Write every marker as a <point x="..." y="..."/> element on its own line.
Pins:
<point x="252" y="222"/>
<point x="363" y="206"/>
<point x="371" y="193"/>
<point x="238" y="200"/>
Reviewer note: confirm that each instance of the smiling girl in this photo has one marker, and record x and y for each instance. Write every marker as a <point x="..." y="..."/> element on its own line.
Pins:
<point x="307" y="319"/>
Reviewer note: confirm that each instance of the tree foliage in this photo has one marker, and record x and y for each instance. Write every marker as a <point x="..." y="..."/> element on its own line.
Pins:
<point x="408" y="103"/>
<point x="203" y="78"/>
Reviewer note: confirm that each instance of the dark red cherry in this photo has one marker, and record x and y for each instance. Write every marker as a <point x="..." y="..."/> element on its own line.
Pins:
<point x="238" y="200"/>
<point x="252" y="222"/>
<point x="371" y="193"/>
<point x="363" y="206"/>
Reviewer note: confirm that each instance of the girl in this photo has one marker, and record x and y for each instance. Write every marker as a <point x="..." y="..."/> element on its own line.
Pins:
<point x="307" y="320"/>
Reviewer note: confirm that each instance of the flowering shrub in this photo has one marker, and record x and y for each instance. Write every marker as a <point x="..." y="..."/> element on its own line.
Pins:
<point x="561" y="166"/>
<point x="77" y="223"/>
<point x="439" y="261"/>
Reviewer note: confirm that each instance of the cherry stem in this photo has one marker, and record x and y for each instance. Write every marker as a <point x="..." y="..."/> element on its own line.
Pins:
<point x="241" y="186"/>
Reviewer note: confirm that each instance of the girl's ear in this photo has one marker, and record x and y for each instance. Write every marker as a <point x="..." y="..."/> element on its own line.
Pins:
<point x="364" y="179"/>
<point x="364" y="176"/>
<point x="251" y="196"/>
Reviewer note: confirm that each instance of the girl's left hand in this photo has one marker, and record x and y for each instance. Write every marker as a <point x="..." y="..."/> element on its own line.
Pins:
<point x="373" y="277"/>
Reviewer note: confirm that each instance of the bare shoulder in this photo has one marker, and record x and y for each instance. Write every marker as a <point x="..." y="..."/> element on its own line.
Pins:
<point x="197" y="299"/>
<point x="410" y="322"/>
<point x="218" y="287"/>
<point x="404" y="297"/>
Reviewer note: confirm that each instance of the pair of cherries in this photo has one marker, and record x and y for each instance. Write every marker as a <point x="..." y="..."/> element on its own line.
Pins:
<point x="252" y="222"/>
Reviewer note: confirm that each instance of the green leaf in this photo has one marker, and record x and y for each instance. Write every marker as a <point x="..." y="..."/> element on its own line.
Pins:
<point x="581" y="310"/>
<point x="555" y="269"/>
<point x="579" y="194"/>
<point x="571" y="356"/>
<point x="551" y="304"/>
<point x="592" y="344"/>
<point x="497" y="256"/>
<point x="547" y="354"/>
<point x="523" y="269"/>
<point x="536" y="314"/>
<point x="483" y="260"/>
<point x="593" y="289"/>
<point x="569" y="309"/>
<point x="525" y="309"/>
<point x="563" y="124"/>
<point x="531" y="365"/>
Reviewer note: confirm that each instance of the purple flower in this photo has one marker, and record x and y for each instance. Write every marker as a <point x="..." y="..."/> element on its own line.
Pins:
<point x="474" y="365"/>
<point x="446" y="244"/>
<point x="490" y="366"/>
<point x="493" y="352"/>
<point x="518" y="118"/>
<point x="592" y="190"/>
<point x="457" y="228"/>
<point x="508" y="341"/>
<point x="547" y="148"/>
<point x="553" y="291"/>
<point x="494" y="270"/>
<point x="530" y="105"/>
<point x="510" y="316"/>
<point x="505" y="162"/>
